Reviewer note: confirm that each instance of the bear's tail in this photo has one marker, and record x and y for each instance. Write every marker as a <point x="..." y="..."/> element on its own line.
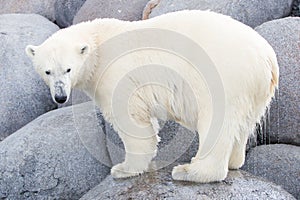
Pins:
<point x="275" y="74"/>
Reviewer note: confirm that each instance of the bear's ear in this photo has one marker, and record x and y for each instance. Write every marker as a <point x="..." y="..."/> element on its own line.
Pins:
<point x="30" y="50"/>
<point x="84" y="49"/>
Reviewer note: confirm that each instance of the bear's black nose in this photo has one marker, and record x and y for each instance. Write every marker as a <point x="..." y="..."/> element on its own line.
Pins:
<point x="60" y="99"/>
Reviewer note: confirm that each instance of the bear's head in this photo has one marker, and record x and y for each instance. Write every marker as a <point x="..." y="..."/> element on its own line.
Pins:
<point x="59" y="62"/>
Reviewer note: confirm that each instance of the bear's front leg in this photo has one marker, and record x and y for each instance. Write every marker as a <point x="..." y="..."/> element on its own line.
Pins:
<point x="139" y="153"/>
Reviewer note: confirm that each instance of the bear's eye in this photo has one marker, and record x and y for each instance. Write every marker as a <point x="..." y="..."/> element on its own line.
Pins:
<point x="48" y="72"/>
<point x="68" y="70"/>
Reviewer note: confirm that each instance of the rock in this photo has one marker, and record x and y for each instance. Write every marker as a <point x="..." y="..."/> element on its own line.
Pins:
<point x="65" y="10"/>
<point x="252" y="13"/>
<point x="77" y="97"/>
<point x="177" y="144"/>
<point x="278" y="163"/>
<point x="282" y="125"/>
<point x="44" y="8"/>
<point x="296" y="9"/>
<point x="252" y="142"/>
<point x="59" y="155"/>
<point x="130" y="10"/>
<point x="24" y="95"/>
<point x="159" y="185"/>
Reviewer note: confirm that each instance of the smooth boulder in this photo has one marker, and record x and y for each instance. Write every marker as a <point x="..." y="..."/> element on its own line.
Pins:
<point x="282" y="124"/>
<point x="159" y="185"/>
<point x="24" y="95"/>
<point x="40" y="7"/>
<point x="252" y="13"/>
<point x="296" y="9"/>
<point x="278" y="163"/>
<point x="130" y="10"/>
<point x="60" y="155"/>
<point x="65" y="10"/>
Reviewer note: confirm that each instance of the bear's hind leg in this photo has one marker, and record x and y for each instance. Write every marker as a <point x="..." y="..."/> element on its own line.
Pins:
<point x="139" y="153"/>
<point x="237" y="157"/>
<point x="210" y="168"/>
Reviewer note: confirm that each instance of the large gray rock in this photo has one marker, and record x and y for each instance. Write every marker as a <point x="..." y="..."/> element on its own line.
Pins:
<point x="76" y="97"/>
<point x="59" y="155"/>
<point x="296" y="8"/>
<point x="130" y="10"/>
<point x="41" y="7"/>
<point x="24" y="95"/>
<point x="159" y="185"/>
<point x="282" y="125"/>
<point x="65" y="10"/>
<point x="252" y="13"/>
<point x="278" y="163"/>
<point x="61" y="12"/>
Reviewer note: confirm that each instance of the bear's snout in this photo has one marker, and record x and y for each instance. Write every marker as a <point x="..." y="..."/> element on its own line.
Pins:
<point x="60" y="94"/>
<point x="60" y="99"/>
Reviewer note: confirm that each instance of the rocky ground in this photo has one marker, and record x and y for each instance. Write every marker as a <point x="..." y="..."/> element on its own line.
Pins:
<point x="51" y="152"/>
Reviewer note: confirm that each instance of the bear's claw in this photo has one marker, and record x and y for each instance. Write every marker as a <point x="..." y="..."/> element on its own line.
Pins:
<point x="122" y="171"/>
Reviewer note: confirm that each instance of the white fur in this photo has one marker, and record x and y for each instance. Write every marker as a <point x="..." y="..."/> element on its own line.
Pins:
<point x="245" y="61"/>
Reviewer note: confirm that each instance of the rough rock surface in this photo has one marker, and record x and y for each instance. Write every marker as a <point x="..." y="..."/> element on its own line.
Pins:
<point x="130" y="10"/>
<point x="159" y="185"/>
<point x="76" y="97"/>
<point x="278" y="163"/>
<point x="41" y="7"/>
<point x="24" y="95"/>
<point x="65" y="10"/>
<point x="296" y="8"/>
<point x="59" y="155"/>
<point x="252" y="13"/>
<point x="283" y="125"/>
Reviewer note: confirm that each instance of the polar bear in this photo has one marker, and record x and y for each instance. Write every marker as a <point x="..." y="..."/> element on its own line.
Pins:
<point x="246" y="65"/>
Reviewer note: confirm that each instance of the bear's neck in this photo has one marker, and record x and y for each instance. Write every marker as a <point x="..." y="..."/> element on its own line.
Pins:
<point x="101" y="33"/>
